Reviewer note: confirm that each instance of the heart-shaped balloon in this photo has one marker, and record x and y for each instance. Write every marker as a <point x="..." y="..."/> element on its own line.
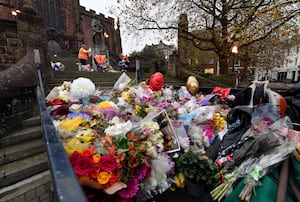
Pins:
<point x="192" y="85"/>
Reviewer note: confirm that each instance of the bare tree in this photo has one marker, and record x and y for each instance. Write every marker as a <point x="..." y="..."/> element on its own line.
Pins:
<point x="226" y="22"/>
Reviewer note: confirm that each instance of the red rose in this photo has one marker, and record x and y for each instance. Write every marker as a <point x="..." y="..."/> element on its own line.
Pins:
<point x="84" y="166"/>
<point x="108" y="163"/>
<point x="94" y="172"/>
<point x="74" y="157"/>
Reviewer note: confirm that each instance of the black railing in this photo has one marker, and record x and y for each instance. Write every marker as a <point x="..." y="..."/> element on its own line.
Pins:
<point x="66" y="187"/>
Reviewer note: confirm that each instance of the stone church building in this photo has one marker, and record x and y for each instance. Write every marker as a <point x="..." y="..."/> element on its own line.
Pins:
<point x="67" y="23"/>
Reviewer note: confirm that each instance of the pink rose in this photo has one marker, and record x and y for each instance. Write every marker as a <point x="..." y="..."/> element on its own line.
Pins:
<point x="108" y="163"/>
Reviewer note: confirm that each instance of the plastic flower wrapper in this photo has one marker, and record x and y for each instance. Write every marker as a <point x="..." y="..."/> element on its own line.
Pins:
<point x="183" y="94"/>
<point x="197" y="141"/>
<point x="262" y="117"/>
<point x="61" y="92"/>
<point x="205" y="113"/>
<point x="281" y="127"/>
<point x="158" y="181"/>
<point x="81" y="88"/>
<point x="122" y="82"/>
<point x="156" y="128"/>
<point x="229" y="179"/>
<point x="169" y="108"/>
<point x="168" y="93"/>
<point x="181" y="134"/>
<point x="108" y="109"/>
<point x="191" y="105"/>
<point x="261" y="167"/>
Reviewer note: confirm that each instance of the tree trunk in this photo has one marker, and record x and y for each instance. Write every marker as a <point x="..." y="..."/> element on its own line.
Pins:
<point x="223" y="64"/>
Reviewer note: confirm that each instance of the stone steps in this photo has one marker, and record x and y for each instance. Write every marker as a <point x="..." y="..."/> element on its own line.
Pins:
<point x="101" y="79"/>
<point x="34" y="188"/>
<point x="21" y="169"/>
<point x="24" y="163"/>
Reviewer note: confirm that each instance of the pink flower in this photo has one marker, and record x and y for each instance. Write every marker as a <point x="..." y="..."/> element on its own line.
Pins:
<point x="142" y="172"/>
<point x="131" y="189"/>
<point x="108" y="163"/>
<point x="83" y="166"/>
<point x="146" y="133"/>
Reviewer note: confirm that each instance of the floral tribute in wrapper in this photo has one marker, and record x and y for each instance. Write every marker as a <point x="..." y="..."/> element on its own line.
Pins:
<point x="167" y="134"/>
<point x="261" y="151"/>
<point x="261" y="167"/>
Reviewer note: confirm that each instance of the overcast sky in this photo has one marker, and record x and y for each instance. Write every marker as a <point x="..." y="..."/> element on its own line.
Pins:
<point x="129" y="43"/>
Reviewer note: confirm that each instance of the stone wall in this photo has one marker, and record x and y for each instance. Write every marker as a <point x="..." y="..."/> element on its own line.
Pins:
<point x="8" y="44"/>
<point x="18" y="43"/>
<point x="67" y="26"/>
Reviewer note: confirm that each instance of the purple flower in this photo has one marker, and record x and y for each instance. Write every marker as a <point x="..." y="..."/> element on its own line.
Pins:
<point x="131" y="189"/>
<point x="76" y="114"/>
<point x="142" y="172"/>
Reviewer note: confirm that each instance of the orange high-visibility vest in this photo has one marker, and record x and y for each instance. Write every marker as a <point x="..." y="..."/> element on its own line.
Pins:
<point x="100" y="59"/>
<point x="83" y="54"/>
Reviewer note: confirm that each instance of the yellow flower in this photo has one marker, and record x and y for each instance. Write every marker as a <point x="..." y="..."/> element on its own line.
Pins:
<point x="104" y="104"/>
<point x="86" y="136"/>
<point x="179" y="180"/>
<point x="137" y="109"/>
<point x="71" y="124"/>
<point x="148" y="109"/>
<point x="125" y="96"/>
<point x="96" y="157"/>
<point x="76" y="147"/>
<point x="104" y="177"/>
<point x="74" y="141"/>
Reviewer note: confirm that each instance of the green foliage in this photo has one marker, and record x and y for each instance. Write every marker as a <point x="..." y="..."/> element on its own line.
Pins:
<point x="148" y="52"/>
<point x="198" y="169"/>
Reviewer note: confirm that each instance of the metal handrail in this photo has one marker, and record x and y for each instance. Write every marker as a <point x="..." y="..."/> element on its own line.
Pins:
<point x="65" y="184"/>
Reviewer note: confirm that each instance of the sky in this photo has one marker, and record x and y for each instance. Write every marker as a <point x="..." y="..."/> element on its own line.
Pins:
<point x="129" y="42"/>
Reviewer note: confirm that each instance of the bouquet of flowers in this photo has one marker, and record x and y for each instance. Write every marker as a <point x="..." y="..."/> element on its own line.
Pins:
<point x="117" y="163"/>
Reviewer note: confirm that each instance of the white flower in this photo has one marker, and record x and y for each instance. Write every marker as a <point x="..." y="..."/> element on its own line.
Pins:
<point x="63" y="95"/>
<point x="118" y="129"/>
<point x="150" y="125"/>
<point x="160" y="147"/>
<point x="82" y="87"/>
<point x="155" y="138"/>
<point x="115" y="120"/>
<point x="151" y="151"/>
<point x="56" y="123"/>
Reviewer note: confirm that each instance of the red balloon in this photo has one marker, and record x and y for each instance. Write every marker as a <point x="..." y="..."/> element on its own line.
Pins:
<point x="156" y="81"/>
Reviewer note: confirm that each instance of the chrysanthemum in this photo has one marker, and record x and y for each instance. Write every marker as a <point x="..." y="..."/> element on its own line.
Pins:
<point x="118" y="129"/>
<point x="131" y="189"/>
<point x="81" y="88"/>
<point x="142" y="172"/>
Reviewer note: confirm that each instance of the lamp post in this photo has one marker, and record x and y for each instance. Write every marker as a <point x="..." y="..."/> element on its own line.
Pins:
<point x="234" y="51"/>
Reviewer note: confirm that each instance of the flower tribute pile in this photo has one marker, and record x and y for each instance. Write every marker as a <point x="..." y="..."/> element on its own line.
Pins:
<point x="122" y="143"/>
